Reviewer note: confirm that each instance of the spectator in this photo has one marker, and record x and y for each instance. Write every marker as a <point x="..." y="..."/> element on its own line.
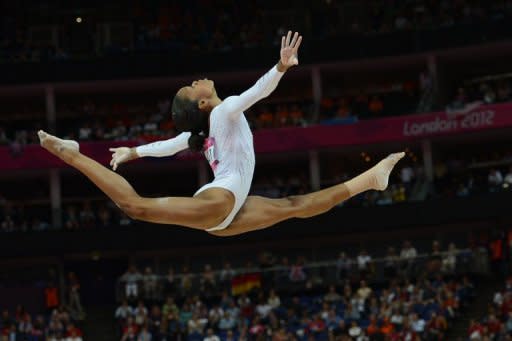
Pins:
<point x="87" y="216"/>
<point x="437" y="326"/>
<point x="215" y="314"/>
<point x="475" y="331"/>
<point x="210" y="336"/>
<point x="489" y="95"/>
<point x="230" y="336"/>
<point x="51" y="295"/>
<point x="131" y="279"/>
<point x="170" y="309"/>
<point x="150" y="284"/>
<point x="140" y="313"/>
<point x="332" y="296"/>
<point x="263" y="308"/>
<point x="508" y="178"/>
<point x="208" y="282"/>
<point x="226" y="274"/>
<point x="363" y="263"/>
<point x="407" y="177"/>
<point x="297" y="273"/>
<point x="170" y="281"/>
<point x="449" y="262"/>
<point x="495" y="180"/>
<point x="494" y="326"/>
<point x="434" y="263"/>
<point x="332" y="320"/>
<point x="70" y="219"/>
<point x="75" y="304"/>
<point x="124" y="220"/>
<point x="376" y="106"/>
<point x="343" y="264"/>
<point x="123" y="311"/>
<point x="352" y="313"/>
<point x="355" y="331"/>
<point x="508" y="322"/>
<point x="186" y="279"/>
<point x="408" y="255"/>
<point x="73" y="333"/>
<point x="390" y="263"/>
<point x="227" y="322"/>
<point x="104" y="217"/>
<point x="364" y="291"/>
<point x="418" y="324"/>
<point x="317" y="326"/>
<point x="273" y="300"/>
<point x="129" y="334"/>
<point x="195" y="327"/>
<point x="373" y="330"/>
<point x="144" y="335"/>
<point x="397" y="319"/>
<point x="246" y="308"/>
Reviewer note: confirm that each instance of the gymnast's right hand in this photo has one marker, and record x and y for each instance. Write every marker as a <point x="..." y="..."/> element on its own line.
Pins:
<point x="121" y="155"/>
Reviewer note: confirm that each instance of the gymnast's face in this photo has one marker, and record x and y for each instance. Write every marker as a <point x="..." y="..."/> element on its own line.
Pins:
<point x="201" y="91"/>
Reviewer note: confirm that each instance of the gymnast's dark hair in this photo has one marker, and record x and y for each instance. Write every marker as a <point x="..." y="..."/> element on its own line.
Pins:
<point x="188" y="117"/>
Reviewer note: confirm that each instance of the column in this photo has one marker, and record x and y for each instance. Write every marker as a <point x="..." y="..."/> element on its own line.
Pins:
<point x="55" y="198"/>
<point x="314" y="170"/>
<point x="51" y="112"/>
<point x="426" y="148"/>
<point x="433" y="72"/>
<point x="316" y="80"/>
<point x="107" y="38"/>
<point x="55" y="36"/>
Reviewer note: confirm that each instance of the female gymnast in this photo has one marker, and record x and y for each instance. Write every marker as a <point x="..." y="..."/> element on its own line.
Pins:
<point x="219" y="129"/>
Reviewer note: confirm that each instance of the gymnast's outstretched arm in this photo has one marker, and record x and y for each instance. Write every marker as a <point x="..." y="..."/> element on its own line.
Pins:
<point x="156" y="149"/>
<point x="234" y="106"/>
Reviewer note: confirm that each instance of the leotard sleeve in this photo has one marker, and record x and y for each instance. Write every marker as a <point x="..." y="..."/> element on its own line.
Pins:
<point x="166" y="147"/>
<point x="234" y="106"/>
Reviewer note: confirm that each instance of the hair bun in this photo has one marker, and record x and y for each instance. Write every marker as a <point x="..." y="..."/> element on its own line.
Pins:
<point x="196" y="142"/>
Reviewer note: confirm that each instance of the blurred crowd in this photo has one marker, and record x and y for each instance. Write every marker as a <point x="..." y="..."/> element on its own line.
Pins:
<point x="22" y="325"/>
<point x="496" y="321"/>
<point x="94" y="121"/>
<point x="58" y="321"/>
<point x="193" y="26"/>
<point x="494" y="90"/>
<point x="405" y="296"/>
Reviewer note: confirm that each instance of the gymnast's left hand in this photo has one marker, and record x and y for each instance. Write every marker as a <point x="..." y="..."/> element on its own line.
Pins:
<point x="121" y="155"/>
<point x="289" y="50"/>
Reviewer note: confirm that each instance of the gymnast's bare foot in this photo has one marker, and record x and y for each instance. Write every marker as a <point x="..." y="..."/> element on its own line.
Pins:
<point x="382" y="170"/>
<point x="55" y="145"/>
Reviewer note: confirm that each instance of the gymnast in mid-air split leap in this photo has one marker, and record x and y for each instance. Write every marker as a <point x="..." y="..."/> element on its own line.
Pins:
<point x="219" y="129"/>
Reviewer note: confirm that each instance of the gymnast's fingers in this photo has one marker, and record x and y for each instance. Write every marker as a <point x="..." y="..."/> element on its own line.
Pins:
<point x="297" y="44"/>
<point x="294" y="39"/>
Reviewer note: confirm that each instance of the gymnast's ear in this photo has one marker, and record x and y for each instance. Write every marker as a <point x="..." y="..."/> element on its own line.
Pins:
<point x="204" y="105"/>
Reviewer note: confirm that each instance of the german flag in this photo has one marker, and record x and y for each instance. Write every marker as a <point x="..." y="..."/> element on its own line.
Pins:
<point x="245" y="283"/>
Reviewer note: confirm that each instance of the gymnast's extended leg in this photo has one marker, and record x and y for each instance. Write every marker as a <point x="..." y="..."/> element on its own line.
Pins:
<point x="206" y="210"/>
<point x="259" y="212"/>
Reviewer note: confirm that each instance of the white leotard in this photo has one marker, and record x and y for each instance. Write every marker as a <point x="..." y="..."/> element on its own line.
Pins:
<point x="229" y="147"/>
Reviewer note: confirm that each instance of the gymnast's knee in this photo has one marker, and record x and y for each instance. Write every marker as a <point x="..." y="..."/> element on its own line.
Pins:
<point x="133" y="208"/>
